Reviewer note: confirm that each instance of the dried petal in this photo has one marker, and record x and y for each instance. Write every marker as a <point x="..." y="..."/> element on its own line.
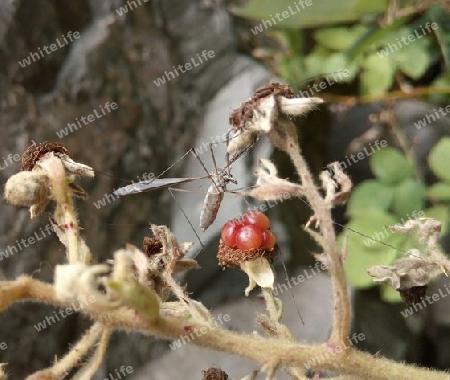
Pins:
<point x="264" y="115"/>
<point x="75" y="168"/>
<point x="259" y="273"/>
<point x="241" y="140"/>
<point x="298" y="106"/>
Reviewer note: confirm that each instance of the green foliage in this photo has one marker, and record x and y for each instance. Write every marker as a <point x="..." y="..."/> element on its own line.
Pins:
<point x="390" y="166"/>
<point x="347" y="36"/>
<point x="440" y="158"/>
<point x="393" y="197"/>
<point x="317" y="13"/>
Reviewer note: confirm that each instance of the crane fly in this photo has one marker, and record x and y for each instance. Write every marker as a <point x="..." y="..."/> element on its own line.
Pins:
<point x="220" y="179"/>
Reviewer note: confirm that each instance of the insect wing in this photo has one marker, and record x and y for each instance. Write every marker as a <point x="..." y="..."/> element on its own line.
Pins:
<point x="159" y="183"/>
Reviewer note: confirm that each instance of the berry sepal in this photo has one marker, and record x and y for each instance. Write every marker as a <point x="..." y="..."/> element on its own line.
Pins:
<point x="254" y="262"/>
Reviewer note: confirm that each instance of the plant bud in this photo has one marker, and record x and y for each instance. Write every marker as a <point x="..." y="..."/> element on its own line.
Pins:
<point x="27" y="188"/>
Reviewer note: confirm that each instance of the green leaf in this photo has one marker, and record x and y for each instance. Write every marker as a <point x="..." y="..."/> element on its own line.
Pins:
<point x="440" y="213"/>
<point x="314" y="60"/>
<point x="362" y="252"/>
<point x="439" y="159"/>
<point x="415" y="58"/>
<point x="390" y="166"/>
<point x="335" y="64"/>
<point x="291" y="69"/>
<point x="373" y="230"/>
<point x="409" y="196"/>
<point x="442" y="86"/>
<point x="377" y="75"/>
<point x="374" y="38"/>
<point x="370" y="194"/>
<point x="439" y="16"/>
<point x="439" y="192"/>
<point x="340" y="38"/>
<point x="313" y="14"/>
<point x="388" y="294"/>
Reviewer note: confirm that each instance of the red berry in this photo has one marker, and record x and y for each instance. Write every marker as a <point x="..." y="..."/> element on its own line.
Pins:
<point x="268" y="240"/>
<point x="258" y="219"/>
<point x="249" y="237"/>
<point x="229" y="231"/>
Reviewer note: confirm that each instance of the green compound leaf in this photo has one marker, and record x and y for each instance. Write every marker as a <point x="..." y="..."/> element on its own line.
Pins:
<point x="439" y="159"/>
<point x="362" y="252"/>
<point x="390" y="166"/>
<point x="409" y="196"/>
<point x="377" y="76"/>
<point x="439" y="192"/>
<point x="370" y="194"/>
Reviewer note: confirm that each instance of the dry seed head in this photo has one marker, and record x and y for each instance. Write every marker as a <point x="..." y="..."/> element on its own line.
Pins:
<point x="27" y="188"/>
<point x="151" y="246"/>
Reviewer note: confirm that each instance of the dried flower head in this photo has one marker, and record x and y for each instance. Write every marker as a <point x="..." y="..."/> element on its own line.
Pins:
<point x="48" y="173"/>
<point x="151" y="246"/>
<point x="214" y="373"/>
<point x="267" y="111"/>
<point x="27" y="189"/>
<point x="244" y="113"/>
<point x="35" y="152"/>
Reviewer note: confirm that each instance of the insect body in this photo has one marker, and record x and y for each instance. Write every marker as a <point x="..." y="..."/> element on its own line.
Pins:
<point x="214" y="197"/>
<point x="220" y="178"/>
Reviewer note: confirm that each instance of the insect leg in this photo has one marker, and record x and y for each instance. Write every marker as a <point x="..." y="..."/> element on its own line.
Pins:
<point x="187" y="219"/>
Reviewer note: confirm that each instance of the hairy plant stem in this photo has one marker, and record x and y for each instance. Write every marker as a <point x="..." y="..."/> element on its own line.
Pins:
<point x="341" y="315"/>
<point x="269" y="352"/>
<point x="65" y="211"/>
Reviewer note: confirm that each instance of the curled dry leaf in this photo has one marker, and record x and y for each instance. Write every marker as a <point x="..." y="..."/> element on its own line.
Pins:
<point x="338" y="185"/>
<point x="270" y="187"/>
<point x="406" y="272"/>
<point x="417" y="268"/>
<point x="427" y="230"/>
